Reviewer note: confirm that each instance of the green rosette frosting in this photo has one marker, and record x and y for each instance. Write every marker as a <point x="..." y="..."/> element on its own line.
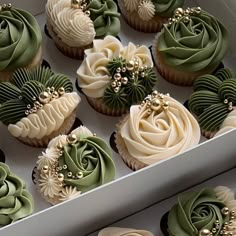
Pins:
<point x="23" y="95"/>
<point x="213" y="98"/>
<point x="20" y="38"/>
<point x="196" y="211"/>
<point x="105" y="17"/>
<point x="194" y="43"/>
<point x="15" y="201"/>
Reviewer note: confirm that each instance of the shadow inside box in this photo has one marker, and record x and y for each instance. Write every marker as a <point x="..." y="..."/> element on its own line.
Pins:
<point x="2" y="156"/>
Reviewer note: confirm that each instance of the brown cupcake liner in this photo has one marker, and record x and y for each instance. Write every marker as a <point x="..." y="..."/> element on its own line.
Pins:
<point x="132" y="18"/>
<point x="43" y="142"/>
<point x="130" y="161"/>
<point x="208" y="134"/>
<point x="72" y="52"/>
<point x="99" y="106"/>
<point x="172" y="74"/>
<point x="5" y="76"/>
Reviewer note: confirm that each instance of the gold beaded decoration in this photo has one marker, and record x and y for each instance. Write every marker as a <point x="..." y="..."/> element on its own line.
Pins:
<point x="6" y="7"/>
<point x="230" y="104"/>
<point x="184" y="15"/>
<point x="80" y="4"/>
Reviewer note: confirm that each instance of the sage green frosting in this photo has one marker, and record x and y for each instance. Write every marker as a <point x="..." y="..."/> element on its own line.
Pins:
<point x="15" y="201"/>
<point x="167" y="7"/>
<point x="93" y="158"/>
<point x="199" y="44"/>
<point x="195" y="211"/>
<point x="211" y="99"/>
<point x="25" y="86"/>
<point x="136" y="89"/>
<point x="105" y="17"/>
<point x="20" y="38"/>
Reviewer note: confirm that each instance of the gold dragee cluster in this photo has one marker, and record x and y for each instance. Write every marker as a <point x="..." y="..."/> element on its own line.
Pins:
<point x="184" y="15"/>
<point x="132" y="66"/>
<point x="44" y="98"/>
<point x="230" y="104"/>
<point x="226" y="230"/>
<point x="155" y="102"/>
<point x="80" y="4"/>
<point x="6" y="7"/>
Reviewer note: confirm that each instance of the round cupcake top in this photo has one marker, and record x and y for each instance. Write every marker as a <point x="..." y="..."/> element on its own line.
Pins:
<point x="147" y="9"/>
<point x="160" y="128"/>
<point x="73" y="164"/>
<point x="15" y="201"/>
<point x="77" y="22"/>
<point x="115" y="231"/>
<point x="203" y="213"/>
<point x="20" y="37"/>
<point x="36" y="102"/>
<point x="213" y="98"/>
<point x="193" y="40"/>
<point x="120" y="76"/>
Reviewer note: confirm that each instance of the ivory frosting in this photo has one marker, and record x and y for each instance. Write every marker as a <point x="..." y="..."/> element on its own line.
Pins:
<point x="146" y="10"/>
<point x="115" y="231"/>
<point x="131" y="5"/>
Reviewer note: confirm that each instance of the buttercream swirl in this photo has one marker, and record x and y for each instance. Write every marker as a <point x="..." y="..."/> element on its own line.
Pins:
<point x="199" y="44"/>
<point x="16" y="202"/>
<point x="153" y="137"/>
<point x="224" y="194"/>
<point x="20" y="38"/>
<point x="115" y="231"/>
<point x="146" y="10"/>
<point x="131" y="5"/>
<point x="46" y="120"/>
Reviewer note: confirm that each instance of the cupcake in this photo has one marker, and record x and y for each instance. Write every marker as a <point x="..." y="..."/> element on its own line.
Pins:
<point x="213" y="100"/>
<point x="73" y="164"/>
<point x="74" y="24"/>
<point x="20" y="41"/>
<point x="148" y="15"/>
<point x="192" y="44"/>
<point x="38" y="105"/>
<point x="115" y="231"/>
<point x="114" y="77"/>
<point x="16" y="202"/>
<point x="158" y="129"/>
<point x="210" y="211"/>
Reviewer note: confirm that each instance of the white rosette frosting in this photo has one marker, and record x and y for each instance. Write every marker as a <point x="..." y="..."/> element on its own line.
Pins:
<point x="46" y="120"/>
<point x="131" y="5"/>
<point x="146" y="10"/>
<point x="155" y="136"/>
<point x="115" y="231"/>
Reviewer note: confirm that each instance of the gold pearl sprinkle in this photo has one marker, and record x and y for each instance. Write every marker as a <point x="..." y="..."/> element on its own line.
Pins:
<point x="72" y="139"/>
<point x="45" y="169"/>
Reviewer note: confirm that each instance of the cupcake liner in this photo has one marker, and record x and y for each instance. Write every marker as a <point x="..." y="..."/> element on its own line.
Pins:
<point x="130" y="161"/>
<point x="173" y="75"/>
<point x="72" y="52"/>
<point x="132" y="18"/>
<point x="99" y="106"/>
<point x="64" y="129"/>
<point x="5" y="76"/>
<point x="208" y="134"/>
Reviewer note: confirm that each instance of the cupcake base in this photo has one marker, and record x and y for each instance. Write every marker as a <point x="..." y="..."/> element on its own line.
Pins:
<point x="6" y="76"/>
<point x="130" y="161"/>
<point x="99" y="106"/>
<point x="132" y="18"/>
<point x="208" y="134"/>
<point x="72" y="52"/>
<point x="173" y="75"/>
<point x="64" y="129"/>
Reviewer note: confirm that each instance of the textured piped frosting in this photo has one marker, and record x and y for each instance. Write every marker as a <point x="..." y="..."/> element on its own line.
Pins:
<point x="214" y="99"/>
<point x="115" y="231"/>
<point x="20" y="38"/>
<point x="37" y="102"/>
<point x="152" y="136"/>
<point x="149" y="8"/>
<point x="196" y="44"/>
<point x="73" y="164"/>
<point x="16" y="202"/>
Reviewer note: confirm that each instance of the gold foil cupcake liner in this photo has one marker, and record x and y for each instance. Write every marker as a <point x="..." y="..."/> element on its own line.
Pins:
<point x="72" y="52"/>
<point x="64" y="129"/>
<point x="130" y="161"/>
<point x="132" y="18"/>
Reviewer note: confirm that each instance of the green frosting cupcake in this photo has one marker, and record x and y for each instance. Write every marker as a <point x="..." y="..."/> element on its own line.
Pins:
<point x="213" y="98"/>
<point x="76" y="163"/>
<point x="20" y="38"/>
<point x="29" y="91"/>
<point x="193" y="40"/>
<point x="15" y="201"/>
<point x="105" y="17"/>
<point x="198" y="214"/>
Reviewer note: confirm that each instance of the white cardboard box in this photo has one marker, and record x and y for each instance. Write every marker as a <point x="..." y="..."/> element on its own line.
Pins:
<point x="130" y="192"/>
